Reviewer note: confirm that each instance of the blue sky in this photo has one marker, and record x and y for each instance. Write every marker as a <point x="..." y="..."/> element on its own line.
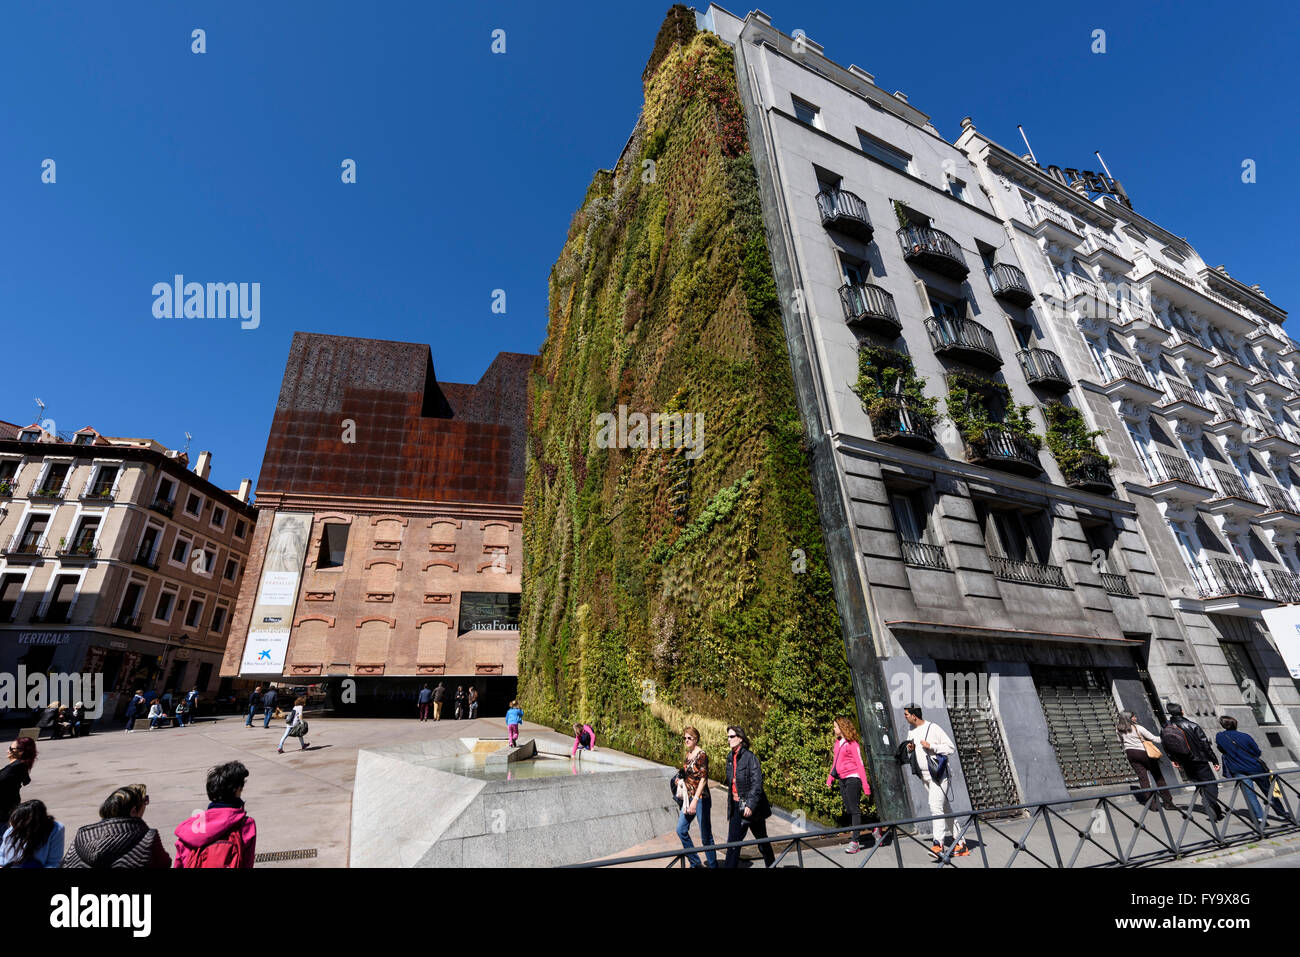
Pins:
<point x="225" y="167"/>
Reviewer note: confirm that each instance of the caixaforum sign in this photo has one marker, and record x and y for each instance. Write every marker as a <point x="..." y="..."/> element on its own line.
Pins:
<point x="267" y="644"/>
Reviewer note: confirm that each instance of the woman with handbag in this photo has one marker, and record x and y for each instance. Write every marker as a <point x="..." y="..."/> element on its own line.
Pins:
<point x="295" y="726"/>
<point x="693" y="797"/>
<point x="1140" y="747"/>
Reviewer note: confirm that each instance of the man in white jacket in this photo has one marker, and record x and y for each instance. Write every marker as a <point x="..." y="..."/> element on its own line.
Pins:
<point x="933" y="740"/>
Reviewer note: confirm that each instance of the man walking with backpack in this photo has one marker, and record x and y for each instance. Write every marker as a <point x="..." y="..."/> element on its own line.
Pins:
<point x="1189" y="749"/>
<point x="223" y="835"/>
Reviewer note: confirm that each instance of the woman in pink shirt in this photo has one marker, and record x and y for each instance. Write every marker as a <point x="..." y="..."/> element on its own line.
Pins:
<point x="848" y="770"/>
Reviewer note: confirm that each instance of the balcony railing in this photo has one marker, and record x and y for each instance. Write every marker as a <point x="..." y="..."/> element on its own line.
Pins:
<point x="1231" y="486"/>
<point x="963" y="339"/>
<point x="1277" y="499"/>
<point x="923" y="555"/>
<point x="17" y="548"/>
<point x="1030" y="573"/>
<point x="1043" y="368"/>
<point x="900" y="423"/>
<point x="933" y="249"/>
<point x="1179" y="392"/>
<point x="1092" y="474"/>
<point x="85" y="550"/>
<point x="47" y="491"/>
<point x="1283" y="586"/>
<point x="1113" y="368"/>
<point x="1163" y="467"/>
<point x="845" y="212"/>
<point x="1009" y="283"/>
<point x="1116" y="584"/>
<point x="1003" y="449"/>
<point x="870" y="307"/>
<point x="1040" y="214"/>
<point x="1226" y="412"/>
<point x="98" y="492"/>
<point x="129" y="622"/>
<point x="1222" y="577"/>
<point x="163" y="507"/>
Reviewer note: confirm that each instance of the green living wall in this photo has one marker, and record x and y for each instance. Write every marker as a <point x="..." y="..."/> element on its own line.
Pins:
<point x="660" y="589"/>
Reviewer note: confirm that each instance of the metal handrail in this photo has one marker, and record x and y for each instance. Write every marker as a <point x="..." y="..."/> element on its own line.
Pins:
<point x="1032" y="573"/>
<point x="947" y="332"/>
<point x="835" y="203"/>
<point x="926" y="239"/>
<point x="1004" y="278"/>
<point x="1041" y="834"/>
<point x="1121" y="367"/>
<point x="1042" y="364"/>
<point x="923" y="554"/>
<point x="866" y="301"/>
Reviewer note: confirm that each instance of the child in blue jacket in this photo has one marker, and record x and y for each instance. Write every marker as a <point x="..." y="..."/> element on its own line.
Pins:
<point x="514" y="718"/>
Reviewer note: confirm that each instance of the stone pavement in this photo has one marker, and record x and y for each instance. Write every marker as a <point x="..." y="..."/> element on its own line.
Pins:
<point x="300" y="800"/>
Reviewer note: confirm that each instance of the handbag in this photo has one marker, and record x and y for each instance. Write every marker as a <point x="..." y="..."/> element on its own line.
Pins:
<point x="299" y="729"/>
<point x="1152" y="751"/>
<point x="675" y="787"/>
<point x="938" y="763"/>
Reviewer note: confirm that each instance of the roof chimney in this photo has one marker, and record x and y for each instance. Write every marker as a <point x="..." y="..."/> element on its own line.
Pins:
<point x="203" y="465"/>
<point x="245" y="488"/>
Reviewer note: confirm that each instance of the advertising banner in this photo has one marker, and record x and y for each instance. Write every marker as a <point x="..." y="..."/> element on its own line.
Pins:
<point x="277" y="595"/>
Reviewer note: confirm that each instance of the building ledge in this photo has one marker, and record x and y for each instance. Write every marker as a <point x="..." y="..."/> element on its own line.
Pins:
<point x="923" y="629"/>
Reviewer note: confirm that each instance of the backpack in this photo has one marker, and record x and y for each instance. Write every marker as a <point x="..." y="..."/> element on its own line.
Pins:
<point x="1175" y="741"/>
<point x="223" y="853"/>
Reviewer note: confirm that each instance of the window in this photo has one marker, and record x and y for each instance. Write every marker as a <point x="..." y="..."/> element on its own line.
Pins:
<point x="241" y="528"/>
<point x="218" y="619"/>
<point x="166" y="601"/>
<point x="29" y="435"/>
<point x="944" y="309"/>
<point x="11" y="592"/>
<point x="490" y="611"/>
<point x="130" y="604"/>
<point x="958" y="188"/>
<point x="1253" y="689"/>
<point x="180" y="550"/>
<point x="102" y="485"/>
<point x="911" y="519"/>
<point x="805" y="112"/>
<point x="889" y="155"/>
<point x="8" y="469"/>
<point x="1014" y="535"/>
<point x="218" y="517"/>
<point x="333" y="545"/>
<point x="85" y="438"/>
<point x="65" y="591"/>
<point x="193" y="504"/>
<point x="148" y="544"/>
<point x="84" y="540"/>
<point x="36" y="526"/>
<point x="853" y="273"/>
<point x="52" y="484"/>
<point x="1101" y="543"/>
<point x="232" y="569"/>
<point x="209" y="559"/>
<point x="166" y="490"/>
<point x="193" y="613"/>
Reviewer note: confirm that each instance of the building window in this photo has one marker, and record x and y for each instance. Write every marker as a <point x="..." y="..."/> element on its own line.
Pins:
<point x="1013" y="535"/>
<point x="889" y="155"/>
<point x="163" y="611"/>
<point x="166" y="490"/>
<point x="29" y="435"/>
<point x="333" y="545"/>
<point x="218" y="619"/>
<point x="911" y="520"/>
<point x="232" y="569"/>
<point x="489" y="611"/>
<point x="180" y="550"/>
<point x="209" y="560"/>
<point x="1233" y="638"/>
<point x="52" y="483"/>
<point x="36" y="526"/>
<point x="805" y="112"/>
<point x="218" y="517"/>
<point x="102" y="484"/>
<point x="85" y="438"/>
<point x="65" y="592"/>
<point x="130" y="605"/>
<point x="957" y="188"/>
<point x="11" y="592"/>
<point x="241" y="528"/>
<point x="84" y="540"/>
<point x="148" y="544"/>
<point x="193" y="505"/>
<point x="193" y="614"/>
<point x="8" y="469"/>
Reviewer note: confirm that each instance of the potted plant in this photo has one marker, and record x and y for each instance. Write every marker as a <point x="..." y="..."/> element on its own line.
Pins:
<point x="972" y="406"/>
<point x="887" y="384"/>
<point x="1069" y="440"/>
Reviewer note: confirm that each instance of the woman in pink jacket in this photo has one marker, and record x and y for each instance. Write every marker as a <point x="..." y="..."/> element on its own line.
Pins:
<point x="848" y="770"/>
<point x="223" y="835"/>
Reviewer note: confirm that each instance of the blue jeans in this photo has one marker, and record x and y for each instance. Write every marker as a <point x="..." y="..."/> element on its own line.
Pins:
<point x="702" y="814"/>
<point x="267" y="722"/>
<point x="252" y="710"/>
<point x="1248" y="789"/>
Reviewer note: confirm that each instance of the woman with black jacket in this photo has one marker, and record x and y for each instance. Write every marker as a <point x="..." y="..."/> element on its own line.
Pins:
<point x="747" y="807"/>
<point x="120" y="838"/>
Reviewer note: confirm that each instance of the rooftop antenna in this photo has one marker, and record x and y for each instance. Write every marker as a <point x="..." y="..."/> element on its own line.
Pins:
<point x="1027" y="146"/>
<point x="188" y="439"/>
<point x="1103" y="163"/>
<point x="40" y="417"/>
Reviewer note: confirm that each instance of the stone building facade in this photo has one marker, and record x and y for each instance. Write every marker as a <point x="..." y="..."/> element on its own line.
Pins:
<point x="1189" y="375"/>
<point x="398" y="500"/>
<point x="116" y="558"/>
<point x="970" y="555"/>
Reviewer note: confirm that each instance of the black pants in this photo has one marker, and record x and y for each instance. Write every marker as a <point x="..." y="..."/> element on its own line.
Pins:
<point x="737" y="825"/>
<point x="1144" y="764"/>
<point x="851" y="795"/>
<point x="1201" y="771"/>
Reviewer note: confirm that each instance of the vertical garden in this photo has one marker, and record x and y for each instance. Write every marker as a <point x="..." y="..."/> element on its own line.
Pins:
<point x="659" y="588"/>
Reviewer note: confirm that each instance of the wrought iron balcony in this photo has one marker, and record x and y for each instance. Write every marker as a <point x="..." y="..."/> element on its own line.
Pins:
<point x="1232" y="484"/>
<point x="845" y="212"/>
<point x="1277" y="499"/>
<point x="1187" y="345"/>
<point x="963" y="339"/>
<point x="1091" y="475"/>
<point x="1222" y="578"/>
<point x="1116" y="584"/>
<point x="1231" y="369"/>
<point x="1031" y="573"/>
<point x="1002" y="449"/>
<point x="923" y="555"/>
<point x="47" y="491"/>
<point x="901" y="424"/>
<point x="99" y="492"/>
<point x="1174" y="477"/>
<point x="1009" y="283"/>
<point x="163" y="507"/>
<point x="1044" y="369"/>
<point x="1232" y="495"/>
<point x="1183" y="400"/>
<point x="86" y="551"/>
<point x="17" y="548"/>
<point x="870" y="307"/>
<point x="1128" y="379"/>
<point x="934" y="250"/>
<point x="1283" y="586"/>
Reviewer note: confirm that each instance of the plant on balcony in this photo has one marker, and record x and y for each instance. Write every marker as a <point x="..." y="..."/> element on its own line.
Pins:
<point x="970" y="404"/>
<point x="1069" y="440"/>
<point x="884" y="377"/>
<point x="6" y="488"/>
<point x="901" y="214"/>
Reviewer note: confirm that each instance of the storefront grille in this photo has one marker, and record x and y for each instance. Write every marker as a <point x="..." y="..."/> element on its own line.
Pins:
<point x="1081" y="726"/>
